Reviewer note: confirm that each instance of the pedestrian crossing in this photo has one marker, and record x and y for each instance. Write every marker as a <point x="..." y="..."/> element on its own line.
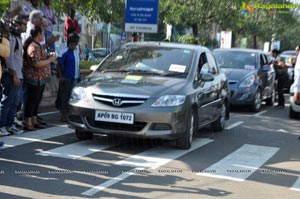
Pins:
<point x="239" y="165"/>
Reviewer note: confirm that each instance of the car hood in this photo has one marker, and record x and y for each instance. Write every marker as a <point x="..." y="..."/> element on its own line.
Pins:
<point x="146" y="85"/>
<point x="237" y="74"/>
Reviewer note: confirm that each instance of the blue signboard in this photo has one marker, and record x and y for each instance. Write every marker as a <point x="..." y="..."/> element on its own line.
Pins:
<point x="141" y="16"/>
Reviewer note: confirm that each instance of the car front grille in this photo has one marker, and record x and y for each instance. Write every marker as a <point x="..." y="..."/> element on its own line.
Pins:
<point x="120" y="101"/>
<point x="136" y="126"/>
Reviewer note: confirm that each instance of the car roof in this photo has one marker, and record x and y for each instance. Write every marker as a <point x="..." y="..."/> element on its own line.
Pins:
<point x="250" y="50"/>
<point x="168" y="44"/>
<point x="289" y="52"/>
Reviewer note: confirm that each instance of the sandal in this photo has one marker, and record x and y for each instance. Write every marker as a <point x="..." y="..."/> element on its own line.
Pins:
<point x="39" y="126"/>
<point x="29" y="128"/>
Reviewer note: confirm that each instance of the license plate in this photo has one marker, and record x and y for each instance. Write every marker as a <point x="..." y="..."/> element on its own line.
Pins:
<point x="116" y="117"/>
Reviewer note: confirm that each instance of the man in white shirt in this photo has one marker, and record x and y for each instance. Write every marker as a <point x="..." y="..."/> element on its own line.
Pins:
<point x="297" y="77"/>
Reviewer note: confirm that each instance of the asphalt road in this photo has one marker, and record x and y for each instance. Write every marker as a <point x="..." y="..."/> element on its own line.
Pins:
<point x="256" y="156"/>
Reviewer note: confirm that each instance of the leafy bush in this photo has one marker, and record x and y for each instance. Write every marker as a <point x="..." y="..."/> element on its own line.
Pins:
<point x="85" y="65"/>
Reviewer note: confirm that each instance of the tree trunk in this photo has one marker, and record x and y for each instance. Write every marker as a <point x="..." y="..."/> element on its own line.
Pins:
<point x="254" y="41"/>
<point x="195" y="29"/>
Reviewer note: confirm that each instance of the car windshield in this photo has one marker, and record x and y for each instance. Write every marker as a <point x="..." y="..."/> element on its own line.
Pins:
<point x="172" y="62"/>
<point x="235" y="59"/>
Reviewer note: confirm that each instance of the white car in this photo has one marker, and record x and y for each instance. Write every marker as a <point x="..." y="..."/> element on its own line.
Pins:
<point x="294" y="108"/>
<point x="97" y="54"/>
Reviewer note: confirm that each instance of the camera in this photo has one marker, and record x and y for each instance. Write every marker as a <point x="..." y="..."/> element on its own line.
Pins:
<point x="8" y="26"/>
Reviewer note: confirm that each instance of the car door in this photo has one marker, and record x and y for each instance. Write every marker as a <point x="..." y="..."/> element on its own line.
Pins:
<point x="216" y="87"/>
<point x="266" y="75"/>
<point x="203" y="90"/>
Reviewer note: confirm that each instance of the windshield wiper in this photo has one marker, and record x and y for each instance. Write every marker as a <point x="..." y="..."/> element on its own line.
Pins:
<point x="175" y="74"/>
<point x="115" y="71"/>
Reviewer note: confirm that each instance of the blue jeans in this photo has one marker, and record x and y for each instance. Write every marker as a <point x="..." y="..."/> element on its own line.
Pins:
<point x="10" y="101"/>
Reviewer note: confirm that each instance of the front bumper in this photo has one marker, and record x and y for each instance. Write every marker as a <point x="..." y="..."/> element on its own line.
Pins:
<point x="242" y="96"/>
<point x="156" y="123"/>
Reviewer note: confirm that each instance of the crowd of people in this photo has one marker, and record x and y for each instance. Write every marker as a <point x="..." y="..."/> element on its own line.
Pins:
<point x="27" y="52"/>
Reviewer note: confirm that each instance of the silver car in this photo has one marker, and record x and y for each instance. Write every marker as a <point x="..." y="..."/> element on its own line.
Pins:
<point x="152" y="90"/>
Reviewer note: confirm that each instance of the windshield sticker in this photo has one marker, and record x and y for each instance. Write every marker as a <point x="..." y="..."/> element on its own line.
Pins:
<point x="177" y="68"/>
<point x="249" y="67"/>
<point x="186" y="51"/>
<point x="132" y="79"/>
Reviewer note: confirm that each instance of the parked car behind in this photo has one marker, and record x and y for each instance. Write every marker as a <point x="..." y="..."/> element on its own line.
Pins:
<point x="290" y="60"/>
<point x="251" y="79"/>
<point x="97" y="54"/>
<point x="152" y="90"/>
<point x="294" y="111"/>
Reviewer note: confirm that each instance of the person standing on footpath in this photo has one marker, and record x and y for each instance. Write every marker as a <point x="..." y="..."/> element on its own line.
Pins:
<point x="12" y="79"/>
<point x="4" y="52"/>
<point x="297" y="78"/>
<point x="71" y="22"/>
<point x="36" y="73"/>
<point x="281" y="76"/>
<point x="67" y="75"/>
<point x="86" y="52"/>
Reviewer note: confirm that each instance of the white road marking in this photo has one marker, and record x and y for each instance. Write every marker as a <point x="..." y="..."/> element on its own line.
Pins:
<point x="150" y="159"/>
<point x="240" y="164"/>
<point x="234" y="125"/>
<point x="260" y="113"/>
<point x="296" y="186"/>
<point x="48" y="113"/>
<point x="76" y="150"/>
<point x="35" y="136"/>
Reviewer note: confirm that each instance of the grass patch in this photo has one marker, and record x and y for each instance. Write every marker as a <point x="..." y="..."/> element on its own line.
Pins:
<point x="85" y="65"/>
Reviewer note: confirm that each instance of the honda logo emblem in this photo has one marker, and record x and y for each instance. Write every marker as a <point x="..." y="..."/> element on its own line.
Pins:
<point x="117" y="102"/>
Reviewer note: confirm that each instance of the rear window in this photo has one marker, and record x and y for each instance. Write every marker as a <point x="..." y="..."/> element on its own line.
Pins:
<point x="237" y="60"/>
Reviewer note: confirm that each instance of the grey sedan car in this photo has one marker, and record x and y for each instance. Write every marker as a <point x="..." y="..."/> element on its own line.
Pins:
<point x="152" y="90"/>
<point x="251" y="78"/>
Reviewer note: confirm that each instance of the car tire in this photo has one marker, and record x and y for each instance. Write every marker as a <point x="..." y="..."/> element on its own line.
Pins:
<point x="257" y="101"/>
<point x="83" y="135"/>
<point x="219" y="124"/>
<point x="185" y="142"/>
<point x="271" y="100"/>
<point x="293" y="114"/>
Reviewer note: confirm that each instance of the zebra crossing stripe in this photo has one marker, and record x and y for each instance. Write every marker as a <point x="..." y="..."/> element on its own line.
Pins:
<point x="35" y="136"/>
<point x="150" y="159"/>
<point x="76" y="150"/>
<point x="296" y="186"/>
<point x="240" y="164"/>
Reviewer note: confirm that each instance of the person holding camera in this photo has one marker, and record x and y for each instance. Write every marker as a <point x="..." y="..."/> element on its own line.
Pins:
<point x="4" y="52"/>
<point x="12" y="79"/>
<point x="281" y="76"/>
<point x="36" y="72"/>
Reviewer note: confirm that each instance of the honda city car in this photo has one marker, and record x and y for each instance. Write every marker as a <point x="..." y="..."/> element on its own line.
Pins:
<point x="251" y="79"/>
<point x="152" y="90"/>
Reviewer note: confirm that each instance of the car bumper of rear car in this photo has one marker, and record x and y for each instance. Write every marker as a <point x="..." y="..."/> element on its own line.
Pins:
<point x="152" y="124"/>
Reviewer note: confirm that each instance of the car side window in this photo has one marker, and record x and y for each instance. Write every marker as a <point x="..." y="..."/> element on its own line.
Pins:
<point x="202" y="65"/>
<point x="262" y="60"/>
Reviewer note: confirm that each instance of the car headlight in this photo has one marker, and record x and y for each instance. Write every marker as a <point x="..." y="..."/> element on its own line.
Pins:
<point x="248" y="81"/>
<point x="169" y="100"/>
<point x="78" y="93"/>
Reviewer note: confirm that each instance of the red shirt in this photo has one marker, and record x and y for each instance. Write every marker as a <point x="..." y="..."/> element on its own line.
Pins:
<point x="71" y="23"/>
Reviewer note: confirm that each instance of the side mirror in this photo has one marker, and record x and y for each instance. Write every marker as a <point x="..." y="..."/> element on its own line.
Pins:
<point x="266" y="68"/>
<point x="206" y="77"/>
